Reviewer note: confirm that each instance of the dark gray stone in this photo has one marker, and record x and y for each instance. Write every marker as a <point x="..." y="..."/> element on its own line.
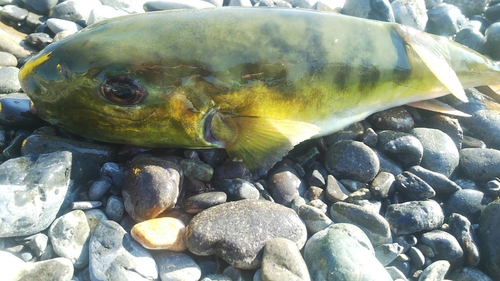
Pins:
<point x="342" y="252"/>
<point x="435" y="271"/>
<point x="285" y="184"/>
<point x="40" y="6"/>
<point x="414" y="216"/>
<point x="60" y="25"/>
<point x="470" y="274"/>
<point x="413" y="187"/>
<point x="196" y="169"/>
<point x="488" y="233"/>
<point x="282" y="261"/>
<point x="12" y="13"/>
<point x="314" y="218"/>
<point x="473" y="39"/>
<point x="466" y="202"/>
<point x="99" y="188"/>
<point x="480" y="164"/>
<point x="394" y="119"/>
<point x="386" y="253"/>
<point x="444" y="245"/>
<point x="406" y="149"/>
<point x="114" y="255"/>
<point x="115" y="208"/>
<point x="33" y="190"/>
<point x="237" y="231"/>
<point x="74" y="11"/>
<point x="411" y="13"/>
<point x="57" y="269"/>
<point x="443" y="186"/>
<point x="200" y="202"/>
<point x="238" y="189"/>
<point x="460" y="228"/>
<point x="444" y="20"/>
<point x="485" y="125"/>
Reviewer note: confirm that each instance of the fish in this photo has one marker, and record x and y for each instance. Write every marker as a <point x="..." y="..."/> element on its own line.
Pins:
<point x="254" y="81"/>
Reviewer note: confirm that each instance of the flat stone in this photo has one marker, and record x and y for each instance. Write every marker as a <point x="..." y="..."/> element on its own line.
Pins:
<point x="374" y="225"/>
<point x="177" y="266"/>
<point x="33" y="190"/>
<point x="282" y="261"/>
<point x="342" y="252"/>
<point x="69" y="235"/>
<point x="315" y="219"/>
<point x="202" y="201"/>
<point x="488" y="233"/>
<point x="414" y="216"/>
<point x="381" y="186"/>
<point x="115" y="256"/>
<point x="335" y="190"/>
<point x="160" y="234"/>
<point x="237" y="231"/>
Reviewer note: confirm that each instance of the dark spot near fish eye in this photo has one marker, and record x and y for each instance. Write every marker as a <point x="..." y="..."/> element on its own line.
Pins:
<point x="369" y="77"/>
<point x="123" y="90"/>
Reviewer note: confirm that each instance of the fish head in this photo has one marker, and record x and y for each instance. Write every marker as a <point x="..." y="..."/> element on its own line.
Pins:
<point x="94" y="85"/>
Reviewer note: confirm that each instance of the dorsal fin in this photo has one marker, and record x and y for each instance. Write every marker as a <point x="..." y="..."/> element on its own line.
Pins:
<point x="435" y="57"/>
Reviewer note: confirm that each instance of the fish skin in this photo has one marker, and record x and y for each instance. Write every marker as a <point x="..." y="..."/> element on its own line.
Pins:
<point x="254" y="81"/>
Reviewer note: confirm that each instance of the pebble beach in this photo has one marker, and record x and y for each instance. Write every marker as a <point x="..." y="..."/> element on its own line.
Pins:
<point x="406" y="194"/>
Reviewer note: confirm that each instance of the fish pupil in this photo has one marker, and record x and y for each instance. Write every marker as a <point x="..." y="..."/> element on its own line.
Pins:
<point x="123" y="90"/>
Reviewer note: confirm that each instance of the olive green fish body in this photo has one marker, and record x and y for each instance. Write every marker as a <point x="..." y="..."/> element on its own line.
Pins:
<point x="254" y="81"/>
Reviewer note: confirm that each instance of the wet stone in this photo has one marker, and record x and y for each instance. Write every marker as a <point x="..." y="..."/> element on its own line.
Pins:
<point x="448" y="125"/>
<point x="480" y="164"/>
<point x="196" y="169"/>
<point x="160" y="234"/>
<point x="460" y="228"/>
<point x="282" y="260"/>
<point x="7" y="59"/>
<point x="489" y="244"/>
<point x="466" y="202"/>
<point x="151" y="187"/>
<point x="16" y="112"/>
<point x="342" y="252"/>
<point x="352" y="160"/>
<point x="39" y="40"/>
<point x="440" y="153"/>
<point x="285" y="184"/>
<point x="99" y="188"/>
<point x="374" y="225"/>
<point x="396" y="119"/>
<point x="237" y="231"/>
<point x="410" y="13"/>
<point x="472" y="39"/>
<point x="444" y="245"/>
<point x="177" y="266"/>
<point x="238" y="189"/>
<point x="200" y="202"/>
<point x="413" y="187"/>
<point x="114" y="255"/>
<point x="60" y="25"/>
<point x="69" y="235"/>
<point x="13" y="13"/>
<point x="444" y="20"/>
<point x="443" y="186"/>
<point x="33" y="190"/>
<point x="315" y="219"/>
<point x="115" y="208"/>
<point x="9" y="82"/>
<point x="414" y="216"/>
<point x="402" y="147"/>
<point x="386" y="253"/>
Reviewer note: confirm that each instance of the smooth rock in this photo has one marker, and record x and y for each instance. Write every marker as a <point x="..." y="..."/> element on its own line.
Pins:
<point x="69" y="235"/>
<point x="130" y="6"/>
<point x="285" y="184"/>
<point x="281" y="260"/>
<point x="404" y="148"/>
<point x="237" y="231"/>
<point x="435" y="271"/>
<point x="57" y="269"/>
<point x="352" y="160"/>
<point x="440" y="153"/>
<point x="103" y="12"/>
<point x="9" y="82"/>
<point x="40" y="6"/>
<point x="488" y="237"/>
<point x="160" y="234"/>
<point x="374" y="225"/>
<point x="174" y="266"/>
<point x="444" y="20"/>
<point x="59" y="25"/>
<point x="115" y="208"/>
<point x="13" y="13"/>
<point x="99" y="188"/>
<point x="395" y="119"/>
<point x="15" y="111"/>
<point x="443" y="186"/>
<point x="410" y="13"/>
<point x="417" y="258"/>
<point x="342" y="252"/>
<point x="485" y="125"/>
<point x="334" y="6"/>
<point x="467" y="202"/>
<point x="85" y="205"/>
<point x="114" y="255"/>
<point x="315" y="219"/>
<point x="414" y="216"/>
<point x="7" y="59"/>
<point x="33" y="190"/>
<point x="238" y="189"/>
<point x="202" y="201"/>
<point x="460" y="227"/>
<point x="151" y="187"/>
<point x="382" y="185"/>
<point x="386" y="253"/>
<point x="413" y="187"/>
<point x="444" y="245"/>
<point x="480" y="164"/>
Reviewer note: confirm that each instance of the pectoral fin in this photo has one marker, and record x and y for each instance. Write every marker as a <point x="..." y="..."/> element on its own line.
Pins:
<point x="260" y="142"/>
<point x="434" y="55"/>
<point x="438" y="106"/>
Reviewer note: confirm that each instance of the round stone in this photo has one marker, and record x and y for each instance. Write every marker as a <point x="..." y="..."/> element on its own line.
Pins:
<point x="285" y="184"/>
<point x="466" y="202"/>
<point x="7" y="59"/>
<point x="396" y="119"/>
<point x="237" y="231"/>
<point x="160" y="234"/>
<point x="444" y="245"/>
<point x="352" y="160"/>
<point x="281" y="260"/>
<point x="414" y="216"/>
<point x="480" y="164"/>
<point x="402" y="147"/>
<point x="177" y="266"/>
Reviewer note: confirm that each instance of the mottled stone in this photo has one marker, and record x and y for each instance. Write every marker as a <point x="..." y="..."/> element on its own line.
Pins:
<point x="57" y="269"/>
<point x="467" y="202"/>
<point x="315" y="219"/>
<point x="237" y="231"/>
<point x="480" y="164"/>
<point x="413" y="187"/>
<point x="342" y="252"/>
<point x="396" y="119"/>
<point x="160" y="234"/>
<point x="488" y="234"/>
<point x="285" y="184"/>
<point x="414" y="216"/>
<point x="115" y="256"/>
<point x="281" y="260"/>
<point x="460" y="227"/>
<point x="444" y="245"/>
<point x="202" y="201"/>
<point x="404" y="148"/>
<point x="196" y="169"/>
<point x="177" y="266"/>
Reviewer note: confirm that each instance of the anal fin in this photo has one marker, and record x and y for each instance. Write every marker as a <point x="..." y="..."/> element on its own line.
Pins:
<point x="260" y="142"/>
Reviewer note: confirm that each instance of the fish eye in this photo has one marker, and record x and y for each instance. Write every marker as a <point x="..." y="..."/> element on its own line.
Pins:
<point x="123" y="90"/>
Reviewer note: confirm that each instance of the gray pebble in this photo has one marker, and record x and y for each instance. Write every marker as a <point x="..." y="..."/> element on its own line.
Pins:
<point x="470" y="274"/>
<point x="414" y="216"/>
<point x="410" y="13"/>
<point x="436" y="271"/>
<point x="74" y="11"/>
<point x="342" y="252"/>
<point x="417" y="258"/>
<point x="94" y="217"/>
<point x="69" y="235"/>
<point x="282" y="260"/>
<point x="59" y="25"/>
<point x="395" y="119"/>
<point x="85" y="205"/>
<point x="130" y="6"/>
<point x="57" y="269"/>
<point x="413" y="187"/>
<point x="447" y="125"/>
<point x="9" y="82"/>
<point x="469" y="8"/>
<point x="39" y="39"/>
<point x="381" y="186"/>
<point x="406" y="241"/>
<point x="34" y="188"/>
<point x="440" y="153"/>
<point x="151" y="187"/>
<point x="488" y="233"/>
<point x="99" y="188"/>
<point x="374" y="225"/>
<point x="480" y="164"/>
<point x="238" y="189"/>
<point x="112" y="170"/>
<point x="7" y="59"/>
<point x="460" y="228"/>
<point x="13" y="13"/>
<point x="315" y="219"/>
<point x="40" y="7"/>
<point x="38" y="244"/>
<point x="285" y="184"/>
<point x="466" y="202"/>
<point x="352" y="160"/>
<point x="177" y="266"/>
<point x="386" y="253"/>
<point x="200" y="202"/>
<point x="196" y="169"/>
<point x="444" y="245"/>
<point x="443" y="186"/>
<point x="335" y="190"/>
<point x="352" y="132"/>
<point x="388" y="165"/>
<point x="115" y="208"/>
<point x="237" y="231"/>
<point x="473" y="39"/>
<point x="103" y="12"/>
<point x="444" y="20"/>
<point x="406" y="149"/>
<point x="114" y="255"/>
<point x="151" y="6"/>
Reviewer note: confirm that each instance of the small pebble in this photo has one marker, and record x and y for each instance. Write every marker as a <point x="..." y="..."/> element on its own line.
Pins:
<point x="9" y="82"/>
<point x="200" y="202"/>
<point x="413" y="187"/>
<point x="85" y="205"/>
<point x="460" y="227"/>
<point x="444" y="245"/>
<point x="335" y="190"/>
<point x="414" y="216"/>
<point x="282" y="260"/>
<point x="417" y="258"/>
<point x="99" y="188"/>
<point x="382" y="185"/>
<point x="285" y="184"/>
<point x="160" y="234"/>
<point x="177" y="266"/>
<point x="38" y="244"/>
<point x="115" y="208"/>
<point x="410" y="13"/>
<point x="196" y="169"/>
<point x="439" y="183"/>
<point x="395" y="119"/>
<point x="436" y="271"/>
<point x="238" y="189"/>
<point x="386" y="253"/>
<point x="402" y="147"/>
<point x="315" y="219"/>
<point x="466" y="202"/>
<point x="444" y="20"/>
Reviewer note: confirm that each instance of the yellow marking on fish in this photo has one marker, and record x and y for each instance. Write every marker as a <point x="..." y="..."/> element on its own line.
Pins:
<point x="28" y="68"/>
